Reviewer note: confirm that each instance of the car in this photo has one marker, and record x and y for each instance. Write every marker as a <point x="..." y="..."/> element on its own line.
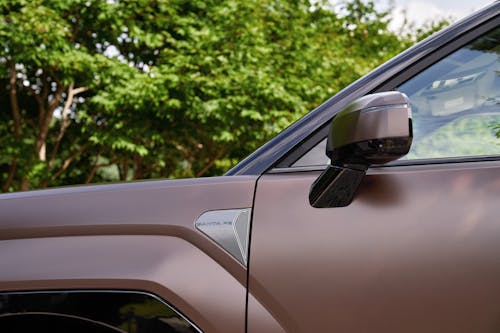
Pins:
<point x="395" y="229"/>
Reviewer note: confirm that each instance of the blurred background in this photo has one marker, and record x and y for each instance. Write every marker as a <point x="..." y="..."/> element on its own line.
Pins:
<point x="120" y="90"/>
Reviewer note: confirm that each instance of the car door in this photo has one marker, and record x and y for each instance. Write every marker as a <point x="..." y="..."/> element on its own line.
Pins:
<point x="418" y="249"/>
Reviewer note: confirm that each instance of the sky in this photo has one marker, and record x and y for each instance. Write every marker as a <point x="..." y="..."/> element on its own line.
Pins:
<point x="420" y="11"/>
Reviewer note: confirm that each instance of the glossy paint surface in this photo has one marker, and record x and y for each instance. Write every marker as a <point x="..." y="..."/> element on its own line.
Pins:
<point x="416" y="251"/>
<point x="375" y="116"/>
<point x="138" y="236"/>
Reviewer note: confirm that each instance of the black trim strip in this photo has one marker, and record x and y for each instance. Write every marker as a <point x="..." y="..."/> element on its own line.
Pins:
<point x="395" y="164"/>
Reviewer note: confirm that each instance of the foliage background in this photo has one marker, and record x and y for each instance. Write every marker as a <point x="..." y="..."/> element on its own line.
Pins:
<point x="97" y="91"/>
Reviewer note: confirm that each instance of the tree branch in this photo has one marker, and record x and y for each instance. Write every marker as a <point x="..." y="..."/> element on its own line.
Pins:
<point x="44" y="123"/>
<point x="37" y="97"/>
<point x="45" y="86"/>
<point x="123" y="169"/>
<point x="16" y="116"/>
<point x="44" y="94"/>
<point x="55" y="100"/>
<point x="14" y="103"/>
<point x="10" y="175"/>
<point x="138" y="172"/>
<point x="69" y="160"/>
<point x="72" y="92"/>
<point x="79" y="90"/>
<point x="210" y="163"/>
<point x="94" y="169"/>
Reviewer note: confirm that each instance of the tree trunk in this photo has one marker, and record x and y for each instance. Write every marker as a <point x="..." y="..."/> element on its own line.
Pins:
<point x="16" y="116"/>
<point x="123" y="169"/>
<point x="210" y="163"/>
<point x="138" y="170"/>
<point x="72" y="92"/>
<point x="14" y="104"/>
<point x="25" y="184"/>
<point x="45" y="115"/>
<point x="10" y="176"/>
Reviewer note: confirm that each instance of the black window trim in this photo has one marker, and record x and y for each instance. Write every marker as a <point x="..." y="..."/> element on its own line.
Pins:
<point x="400" y="166"/>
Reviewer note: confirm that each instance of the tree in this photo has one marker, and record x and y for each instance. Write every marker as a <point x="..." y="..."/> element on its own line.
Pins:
<point x="47" y="65"/>
<point x="106" y="90"/>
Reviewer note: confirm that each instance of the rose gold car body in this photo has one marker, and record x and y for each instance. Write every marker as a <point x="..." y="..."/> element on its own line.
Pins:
<point x="138" y="236"/>
<point x="418" y="250"/>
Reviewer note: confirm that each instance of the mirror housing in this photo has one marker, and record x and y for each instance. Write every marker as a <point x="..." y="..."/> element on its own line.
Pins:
<point x="374" y="129"/>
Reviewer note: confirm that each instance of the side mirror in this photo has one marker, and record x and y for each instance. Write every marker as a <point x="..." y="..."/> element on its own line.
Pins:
<point x="375" y="129"/>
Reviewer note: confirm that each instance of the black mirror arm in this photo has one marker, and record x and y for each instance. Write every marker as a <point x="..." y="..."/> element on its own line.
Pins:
<point x="336" y="186"/>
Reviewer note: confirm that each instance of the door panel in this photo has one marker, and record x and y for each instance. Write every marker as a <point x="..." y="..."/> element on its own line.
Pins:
<point x="418" y="250"/>
<point x="260" y="319"/>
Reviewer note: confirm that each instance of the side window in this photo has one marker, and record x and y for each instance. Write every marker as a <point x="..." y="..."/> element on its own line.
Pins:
<point x="89" y="311"/>
<point x="455" y="103"/>
<point x="315" y="156"/>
